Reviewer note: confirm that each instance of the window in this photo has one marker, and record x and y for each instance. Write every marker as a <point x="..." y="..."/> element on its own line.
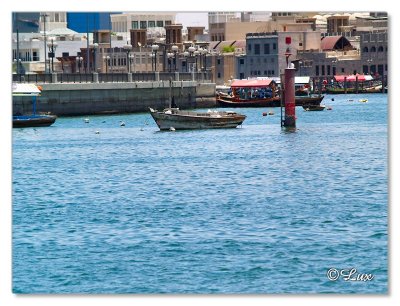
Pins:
<point x="160" y="23"/>
<point x="265" y="72"/>
<point x="241" y="61"/>
<point x="249" y="48"/>
<point x="300" y="44"/>
<point x="266" y="49"/>
<point x="218" y="62"/>
<point x="328" y="68"/>
<point x="373" y="49"/>
<point x="143" y="24"/>
<point x="380" y="69"/>
<point x="334" y="70"/>
<point x="241" y="75"/>
<point x="317" y="70"/>
<point x="342" y="70"/>
<point x="354" y="72"/>
<point x="256" y="48"/>
<point x="380" y="49"/>
<point x="219" y="75"/>
<point x="35" y="56"/>
<point x="251" y="61"/>
<point x="365" y="49"/>
<point x="322" y="70"/>
<point x="56" y="17"/>
<point x="152" y="24"/>
<point x="135" y="25"/>
<point x="272" y="72"/>
<point x="365" y="69"/>
<point x="168" y="22"/>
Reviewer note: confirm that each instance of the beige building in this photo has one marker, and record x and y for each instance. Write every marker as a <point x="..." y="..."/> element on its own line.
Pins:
<point x="234" y="30"/>
<point x="336" y="23"/>
<point x="54" y="20"/>
<point x="123" y="23"/>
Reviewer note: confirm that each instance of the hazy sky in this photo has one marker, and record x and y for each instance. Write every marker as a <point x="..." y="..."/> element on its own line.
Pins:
<point x="192" y="19"/>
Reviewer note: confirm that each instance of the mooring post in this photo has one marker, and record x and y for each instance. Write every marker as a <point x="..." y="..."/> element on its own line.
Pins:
<point x="289" y="89"/>
<point x="290" y="103"/>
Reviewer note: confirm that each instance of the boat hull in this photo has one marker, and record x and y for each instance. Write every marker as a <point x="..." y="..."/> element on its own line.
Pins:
<point x="314" y="107"/>
<point x="33" y="121"/>
<point x="187" y="122"/>
<point x="269" y="102"/>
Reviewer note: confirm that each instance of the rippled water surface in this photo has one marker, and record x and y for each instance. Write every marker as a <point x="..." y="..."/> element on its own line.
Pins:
<point x="247" y="210"/>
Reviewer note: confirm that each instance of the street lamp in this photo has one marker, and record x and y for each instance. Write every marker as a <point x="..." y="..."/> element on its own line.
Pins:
<point x="94" y="48"/>
<point x="191" y="50"/>
<point x="175" y="49"/>
<point x="128" y="49"/>
<point x="52" y="49"/>
<point x="106" y="59"/>
<point x="205" y="52"/>
<point x="334" y="66"/>
<point x="17" y="64"/>
<point x="155" y="49"/>
<point x="45" y="41"/>
<point x="196" y="53"/>
<point x="186" y="55"/>
<point x="132" y="59"/>
<point x="170" y="55"/>
<point x="79" y="59"/>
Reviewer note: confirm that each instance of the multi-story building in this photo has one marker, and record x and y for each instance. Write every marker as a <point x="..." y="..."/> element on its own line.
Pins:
<point x="123" y="23"/>
<point x="262" y="56"/>
<point x="53" y="20"/>
<point x="265" y="52"/>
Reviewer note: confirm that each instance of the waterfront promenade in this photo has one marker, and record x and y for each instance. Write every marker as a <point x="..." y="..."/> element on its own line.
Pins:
<point x="73" y="95"/>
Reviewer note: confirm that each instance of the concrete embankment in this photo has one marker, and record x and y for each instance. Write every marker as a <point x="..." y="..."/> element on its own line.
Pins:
<point x="74" y="99"/>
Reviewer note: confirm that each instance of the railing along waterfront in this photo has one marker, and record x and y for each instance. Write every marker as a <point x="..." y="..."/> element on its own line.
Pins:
<point x="111" y="77"/>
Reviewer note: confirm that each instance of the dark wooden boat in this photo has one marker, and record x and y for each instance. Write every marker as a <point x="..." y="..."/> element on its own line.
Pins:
<point x="229" y="101"/>
<point x="308" y="100"/>
<point x="314" y="107"/>
<point x="33" y="121"/>
<point x="175" y="119"/>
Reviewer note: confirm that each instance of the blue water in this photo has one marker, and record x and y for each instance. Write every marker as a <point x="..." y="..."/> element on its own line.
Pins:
<point x="247" y="210"/>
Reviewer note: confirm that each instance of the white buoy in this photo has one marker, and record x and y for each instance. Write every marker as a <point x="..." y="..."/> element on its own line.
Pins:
<point x="271" y="113"/>
<point x="172" y="129"/>
<point x="122" y="123"/>
<point x="86" y="120"/>
<point x="97" y="132"/>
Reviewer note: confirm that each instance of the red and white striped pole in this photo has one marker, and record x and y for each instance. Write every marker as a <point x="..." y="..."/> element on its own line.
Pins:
<point x="290" y="102"/>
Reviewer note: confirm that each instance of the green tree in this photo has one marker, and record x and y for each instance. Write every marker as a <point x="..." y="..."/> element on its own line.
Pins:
<point x="227" y="49"/>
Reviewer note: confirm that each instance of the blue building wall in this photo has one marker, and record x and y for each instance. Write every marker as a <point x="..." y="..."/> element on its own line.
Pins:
<point x="83" y="22"/>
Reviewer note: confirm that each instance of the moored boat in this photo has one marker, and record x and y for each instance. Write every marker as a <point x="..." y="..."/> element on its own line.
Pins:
<point x="34" y="119"/>
<point x="260" y="93"/>
<point x="176" y="119"/>
<point x="314" y="107"/>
